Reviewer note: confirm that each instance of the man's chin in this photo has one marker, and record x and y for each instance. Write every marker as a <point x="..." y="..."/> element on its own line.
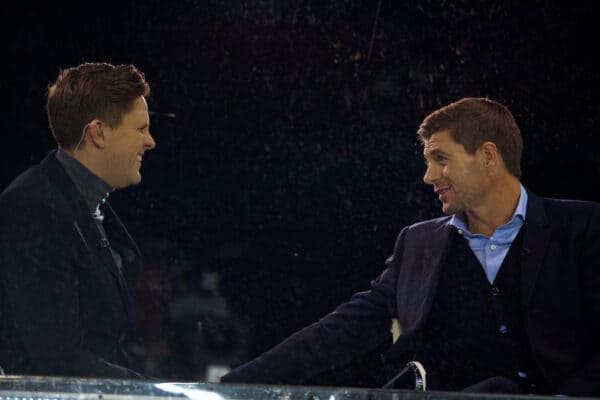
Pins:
<point x="131" y="182"/>
<point x="447" y="209"/>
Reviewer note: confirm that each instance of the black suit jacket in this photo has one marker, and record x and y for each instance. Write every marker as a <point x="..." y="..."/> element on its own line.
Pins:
<point x="560" y="297"/>
<point x="65" y="305"/>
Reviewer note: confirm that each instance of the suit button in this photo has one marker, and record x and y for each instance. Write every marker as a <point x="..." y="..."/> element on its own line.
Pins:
<point x="503" y="329"/>
<point x="495" y="291"/>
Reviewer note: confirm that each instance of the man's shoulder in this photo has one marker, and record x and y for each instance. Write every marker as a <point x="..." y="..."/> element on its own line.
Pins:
<point x="569" y="205"/>
<point x="570" y="211"/>
<point x="564" y="217"/>
<point x="423" y="231"/>
<point x="35" y="187"/>
<point x="430" y="225"/>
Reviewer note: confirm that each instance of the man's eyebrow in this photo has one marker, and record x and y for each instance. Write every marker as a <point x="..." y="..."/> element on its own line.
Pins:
<point x="436" y="152"/>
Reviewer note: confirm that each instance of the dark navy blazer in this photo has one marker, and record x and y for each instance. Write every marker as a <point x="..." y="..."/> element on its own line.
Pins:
<point x="65" y="308"/>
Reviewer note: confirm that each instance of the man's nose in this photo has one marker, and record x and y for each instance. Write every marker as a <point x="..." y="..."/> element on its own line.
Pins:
<point x="431" y="174"/>
<point x="149" y="143"/>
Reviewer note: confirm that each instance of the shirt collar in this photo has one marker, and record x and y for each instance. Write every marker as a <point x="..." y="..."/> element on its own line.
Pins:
<point x="93" y="189"/>
<point x="521" y="210"/>
<point x="519" y="214"/>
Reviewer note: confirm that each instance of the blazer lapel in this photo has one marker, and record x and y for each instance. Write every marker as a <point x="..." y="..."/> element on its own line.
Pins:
<point x="421" y="263"/>
<point x="535" y="240"/>
<point x="122" y="242"/>
<point x="433" y="261"/>
<point x="98" y="246"/>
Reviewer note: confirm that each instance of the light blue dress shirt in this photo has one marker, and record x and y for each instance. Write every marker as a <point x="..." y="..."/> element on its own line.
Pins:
<point x="490" y="251"/>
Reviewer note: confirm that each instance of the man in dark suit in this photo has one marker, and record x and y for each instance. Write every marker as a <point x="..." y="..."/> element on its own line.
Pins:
<point x="65" y="257"/>
<point x="500" y="295"/>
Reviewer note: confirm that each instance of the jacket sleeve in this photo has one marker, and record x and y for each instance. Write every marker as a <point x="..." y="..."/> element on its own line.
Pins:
<point x="39" y="278"/>
<point x="585" y="381"/>
<point x="352" y="329"/>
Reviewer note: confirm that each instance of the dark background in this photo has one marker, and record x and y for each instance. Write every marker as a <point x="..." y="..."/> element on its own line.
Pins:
<point x="278" y="189"/>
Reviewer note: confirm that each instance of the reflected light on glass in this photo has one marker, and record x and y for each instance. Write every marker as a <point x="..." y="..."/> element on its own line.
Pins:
<point x="193" y="394"/>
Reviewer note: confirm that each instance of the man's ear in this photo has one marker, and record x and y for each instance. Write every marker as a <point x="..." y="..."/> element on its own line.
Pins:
<point x="490" y="155"/>
<point x="96" y="133"/>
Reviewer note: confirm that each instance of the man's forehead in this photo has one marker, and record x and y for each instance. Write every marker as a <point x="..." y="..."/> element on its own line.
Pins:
<point x="139" y="111"/>
<point x="140" y="105"/>
<point x="137" y="117"/>
<point x="437" y="139"/>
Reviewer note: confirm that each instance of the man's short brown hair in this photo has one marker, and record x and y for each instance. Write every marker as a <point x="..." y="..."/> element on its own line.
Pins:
<point x="89" y="91"/>
<point x="473" y="121"/>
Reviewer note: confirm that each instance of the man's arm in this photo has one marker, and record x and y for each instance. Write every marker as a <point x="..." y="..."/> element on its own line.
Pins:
<point x="350" y="330"/>
<point x="586" y="380"/>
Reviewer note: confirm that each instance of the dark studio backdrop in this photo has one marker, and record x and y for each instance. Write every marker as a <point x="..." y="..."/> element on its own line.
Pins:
<point x="291" y="164"/>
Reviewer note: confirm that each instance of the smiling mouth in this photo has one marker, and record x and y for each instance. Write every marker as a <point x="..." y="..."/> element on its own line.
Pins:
<point x="441" y="192"/>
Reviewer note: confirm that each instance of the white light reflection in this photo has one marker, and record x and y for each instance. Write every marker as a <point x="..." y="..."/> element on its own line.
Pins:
<point x="192" y="394"/>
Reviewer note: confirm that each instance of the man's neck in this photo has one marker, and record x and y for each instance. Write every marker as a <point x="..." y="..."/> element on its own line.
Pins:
<point x="92" y="188"/>
<point x="497" y="208"/>
<point x="88" y="161"/>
